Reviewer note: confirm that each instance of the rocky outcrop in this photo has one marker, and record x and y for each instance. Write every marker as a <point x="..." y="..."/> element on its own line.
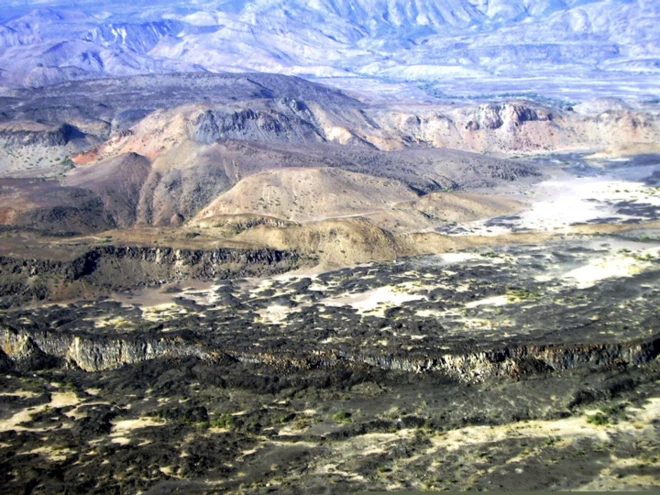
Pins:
<point x="475" y="365"/>
<point x="239" y="223"/>
<point x="47" y="349"/>
<point x="290" y="124"/>
<point x="495" y="115"/>
<point x="48" y="137"/>
<point x="97" y="353"/>
<point x="516" y="126"/>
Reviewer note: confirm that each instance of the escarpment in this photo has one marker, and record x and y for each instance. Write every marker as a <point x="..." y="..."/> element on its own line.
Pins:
<point x="51" y="348"/>
<point x="110" y="268"/>
<point x="32" y="135"/>
<point x="474" y="364"/>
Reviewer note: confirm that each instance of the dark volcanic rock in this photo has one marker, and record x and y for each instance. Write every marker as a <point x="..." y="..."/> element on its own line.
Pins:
<point x="111" y="268"/>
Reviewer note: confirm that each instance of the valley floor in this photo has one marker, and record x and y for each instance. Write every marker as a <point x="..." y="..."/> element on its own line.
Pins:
<point x="514" y="368"/>
<point x="511" y="353"/>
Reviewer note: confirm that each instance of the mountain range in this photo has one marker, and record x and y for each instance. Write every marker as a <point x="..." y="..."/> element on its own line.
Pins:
<point x="431" y="48"/>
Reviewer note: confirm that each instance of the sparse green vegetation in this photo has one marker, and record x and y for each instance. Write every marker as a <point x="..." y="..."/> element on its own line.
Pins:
<point x="224" y="421"/>
<point x="70" y="386"/>
<point x="301" y="424"/>
<point x="342" y="417"/>
<point x="646" y="258"/>
<point x="514" y="295"/>
<point x="614" y="412"/>
<point x="598" y="419"/>
<point x="287" y="418"/>
<point x="67" y="164"/>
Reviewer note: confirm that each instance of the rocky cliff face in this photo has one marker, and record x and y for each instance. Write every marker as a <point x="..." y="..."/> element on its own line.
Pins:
<point x="49" y="137"/>
<point x="511" y="115"/>
<point x="516" y="126"/>
<point x="475" y="365"/>
<point x="37" y="349"/>
<point x="110" y="268"/>
<point x="287" y="124"/>
<point x="44" y="143"/>
<point x="522" y="359"/>
<point x="47" y="349"/>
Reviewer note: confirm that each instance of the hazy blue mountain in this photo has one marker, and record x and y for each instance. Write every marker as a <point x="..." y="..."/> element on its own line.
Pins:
<point x="439" y="45"/>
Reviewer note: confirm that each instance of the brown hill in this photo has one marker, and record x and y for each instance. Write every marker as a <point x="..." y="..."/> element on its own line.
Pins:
<point x="118" y="182"/>
<point x="46" y="206"/>
<point x="308" y="194"/>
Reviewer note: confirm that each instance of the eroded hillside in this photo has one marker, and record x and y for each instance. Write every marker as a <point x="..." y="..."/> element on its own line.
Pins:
<point x="162" y="150"/>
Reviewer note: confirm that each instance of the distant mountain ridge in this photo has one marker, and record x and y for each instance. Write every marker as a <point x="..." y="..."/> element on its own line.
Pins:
<point x="469" y="42"/>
